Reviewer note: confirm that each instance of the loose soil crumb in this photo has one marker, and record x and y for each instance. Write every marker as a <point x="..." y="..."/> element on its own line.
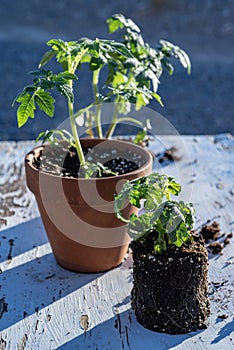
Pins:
<point x="216" y="247"/>
<point x="215" y="239"/>
<point x="223" y="317"/>
<point x="210" y="231"/>
<point x="169" y="155"/>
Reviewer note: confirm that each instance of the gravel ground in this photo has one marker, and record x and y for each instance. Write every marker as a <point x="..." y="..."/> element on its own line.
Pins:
<point x="201" y="103"/>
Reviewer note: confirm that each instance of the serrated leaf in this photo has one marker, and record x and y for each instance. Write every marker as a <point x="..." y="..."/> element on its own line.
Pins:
<point x="178" y="53"/>
<point x="171" y="222"/>
<point x="173" y="187"/>
<point x="30" y="88"/>
<point x="119" y="21"/>
<point x="26" y="109"/>
<point x="45" y="102"/>
<point x="122" y="49"/>
<point x="67" y="76"/>
<point x="139" y="226"/>
<point x="21" y="94"/>
<point x="167" y="64"/>
<point x="46" y="58"/>
<point x="114" y="24"/>
<point x="66" y="91"/>
<point x="94" y="49"/>
<point x="96" y="63"/>
<point x="56" y="44"/>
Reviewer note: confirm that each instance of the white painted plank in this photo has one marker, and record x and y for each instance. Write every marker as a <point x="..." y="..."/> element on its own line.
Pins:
<point x="45" y="302"/>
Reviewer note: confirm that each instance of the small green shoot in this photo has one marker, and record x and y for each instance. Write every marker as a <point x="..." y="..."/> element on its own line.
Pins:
<point x="172" y="221"/>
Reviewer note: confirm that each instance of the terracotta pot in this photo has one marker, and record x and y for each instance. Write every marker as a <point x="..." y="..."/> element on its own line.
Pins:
<point x="78" y="214"/>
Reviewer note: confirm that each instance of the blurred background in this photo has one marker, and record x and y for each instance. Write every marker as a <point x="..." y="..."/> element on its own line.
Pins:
<point x="201" y="103"/>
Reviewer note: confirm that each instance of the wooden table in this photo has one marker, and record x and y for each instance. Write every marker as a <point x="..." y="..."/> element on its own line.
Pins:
<point x="41" y="304"/>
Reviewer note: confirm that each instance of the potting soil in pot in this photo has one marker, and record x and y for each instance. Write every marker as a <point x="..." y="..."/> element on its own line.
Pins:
<point x="170" y="289"/>
<point x="63" y="162"/>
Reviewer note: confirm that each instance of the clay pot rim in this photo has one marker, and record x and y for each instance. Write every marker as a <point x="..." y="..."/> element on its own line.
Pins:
<point x="148" y="157"/>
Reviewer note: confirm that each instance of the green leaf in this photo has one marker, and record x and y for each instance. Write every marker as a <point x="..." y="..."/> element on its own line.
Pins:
<point x="119" y="78"/>
<point x="44" y="136"/>
<point x="139" y="226"/>
<point x="172" y="50"/>
<point x="85" y="58"/>
<point x="167" y="64"/>
<point x="89" y="170"/>
<point x="67" y="76"/>
<point x="46" y="58"/>
<point x="66" y="91"/>
<point x="41" y="73"/>
<point x="26" y="108"/>
<point x="119" y="21"/>
<point x="94" y="48"/>
<point x="152" y="189"/>
<point x="96" y="63"/>
<point x="174" y="227"/>
<point x="141" y="100"/>
<point x="173" y="187"/>
<point x="157" y="98"/>
<point x="66" y="52"/>
<point x="56" y="44"/>
<point x="54" y="136"/>
<point x="140" y="136"/>
<point x="170" y="221"/>
<point x="121" y="48"/>
<point x="114" y="24"/>
<point x="45" y="102"/>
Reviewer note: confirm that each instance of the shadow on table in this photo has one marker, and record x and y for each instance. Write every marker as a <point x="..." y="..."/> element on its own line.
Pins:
<point x="30" y="283"/>
<point x="224" y="332"/>
<point x="124" y="332"/>
<point x="21" y="238"/>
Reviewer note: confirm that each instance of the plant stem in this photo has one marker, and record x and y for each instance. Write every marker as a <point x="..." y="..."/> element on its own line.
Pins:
<point x="131" y="120"/>
<point x="113" y="123"/>
<point x="98" y="106"/>
<point x="73" y="125"/>
<point x="75" y="135"/>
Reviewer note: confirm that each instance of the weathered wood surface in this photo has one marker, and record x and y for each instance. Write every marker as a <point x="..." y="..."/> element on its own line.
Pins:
<point x="42" y="306"/>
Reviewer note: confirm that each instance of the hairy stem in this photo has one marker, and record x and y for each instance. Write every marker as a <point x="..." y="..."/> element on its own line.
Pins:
<point x="98" y="106"/>
<point x="75" y="135"/>
<point x="131" y="120"/>
<point x="76" y="61"/>
<point x="114" y="122"/>
<point x="73" y="125"/>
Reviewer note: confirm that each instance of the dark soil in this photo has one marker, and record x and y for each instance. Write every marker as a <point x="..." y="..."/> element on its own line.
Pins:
<point x="167" y="156"/>
<point x="65" y="163"/>
<point x="170" y="290"/>
<point x="215" y="239"/>
<point x="210" y="231"/>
